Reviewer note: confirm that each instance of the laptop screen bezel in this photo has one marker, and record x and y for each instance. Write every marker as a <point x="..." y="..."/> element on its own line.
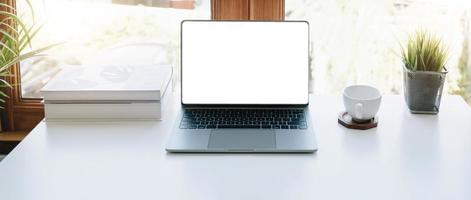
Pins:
<point x="239" y="105"/>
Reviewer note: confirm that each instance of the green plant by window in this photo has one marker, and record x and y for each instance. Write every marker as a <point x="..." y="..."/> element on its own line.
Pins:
<point x="15" y="43"/>
<point x="424" y="52"/>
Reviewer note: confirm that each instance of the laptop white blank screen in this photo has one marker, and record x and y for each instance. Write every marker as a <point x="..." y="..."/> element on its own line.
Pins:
<point x="236" y="62"/>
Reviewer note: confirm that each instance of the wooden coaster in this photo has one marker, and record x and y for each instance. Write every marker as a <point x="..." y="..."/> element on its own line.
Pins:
<point x="346" y="120"/>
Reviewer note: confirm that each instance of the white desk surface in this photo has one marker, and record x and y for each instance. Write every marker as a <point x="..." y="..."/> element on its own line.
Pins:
<point x="406" y="157"/>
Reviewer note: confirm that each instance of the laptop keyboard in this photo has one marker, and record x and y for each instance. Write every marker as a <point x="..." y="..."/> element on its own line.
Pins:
<point x="243" y="118"/>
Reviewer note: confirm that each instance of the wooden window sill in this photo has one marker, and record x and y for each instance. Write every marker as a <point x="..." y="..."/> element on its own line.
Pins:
<point x="14" y="136"/>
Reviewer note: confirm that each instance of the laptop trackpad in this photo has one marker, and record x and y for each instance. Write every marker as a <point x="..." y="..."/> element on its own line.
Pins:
<point x="242" y="139"/>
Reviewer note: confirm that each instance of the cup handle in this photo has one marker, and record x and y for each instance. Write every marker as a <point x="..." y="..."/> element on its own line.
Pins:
<point x="358" y="109"/>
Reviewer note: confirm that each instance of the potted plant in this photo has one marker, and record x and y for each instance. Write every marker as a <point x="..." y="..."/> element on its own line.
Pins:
<point x="424" y="72"/>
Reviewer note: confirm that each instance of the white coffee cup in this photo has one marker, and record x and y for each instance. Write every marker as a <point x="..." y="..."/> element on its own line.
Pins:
<point x="361" y="102"/>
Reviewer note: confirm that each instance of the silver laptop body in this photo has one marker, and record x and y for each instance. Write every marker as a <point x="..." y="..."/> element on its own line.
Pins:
<point x="244" y="88"/>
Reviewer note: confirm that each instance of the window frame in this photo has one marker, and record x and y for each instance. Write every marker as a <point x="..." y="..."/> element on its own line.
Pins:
<point x="23" y="114"/>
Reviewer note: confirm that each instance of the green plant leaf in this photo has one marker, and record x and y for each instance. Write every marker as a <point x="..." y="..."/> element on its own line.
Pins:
<point x="9" y="27"/>
<point x="4" y="82"/>
<point x="26" y="55"/>
<point x="22" y="43"/>
<point x="7" y="6"/>
<point x="19" y="22"/>
<point x="8" y="48"/>
<point x="424" y="52"/>
<point x="30" y="5"/>
<point x="3" y="94"/>
<point x="6" y="34"/>
<point x="8" y="75"/>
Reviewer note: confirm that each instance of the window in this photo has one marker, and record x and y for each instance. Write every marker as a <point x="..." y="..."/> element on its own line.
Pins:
<point x="75" y="22"/>
<point x="102" y="32"/>
<point x="357" y="41"/>
<point x="23" y="113"/>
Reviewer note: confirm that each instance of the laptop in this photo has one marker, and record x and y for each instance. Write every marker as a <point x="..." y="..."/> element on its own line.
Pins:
<point x="244" y="88"/>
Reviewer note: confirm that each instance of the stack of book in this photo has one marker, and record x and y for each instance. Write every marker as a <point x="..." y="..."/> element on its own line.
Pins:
<point x="107" y="92"/>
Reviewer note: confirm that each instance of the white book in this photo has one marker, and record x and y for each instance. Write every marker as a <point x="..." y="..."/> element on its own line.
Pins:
<point x="133" y="110"/>
<point x="113" y="110"/>
<point x="95" y="83"/>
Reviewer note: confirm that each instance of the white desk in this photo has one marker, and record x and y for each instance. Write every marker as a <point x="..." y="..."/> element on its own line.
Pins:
<point x="406" y="157"/>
